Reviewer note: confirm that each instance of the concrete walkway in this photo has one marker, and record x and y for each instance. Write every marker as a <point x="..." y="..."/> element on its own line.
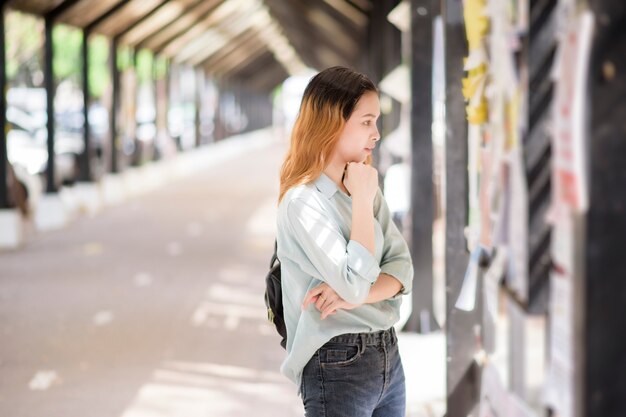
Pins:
<point x="154" y="308"/>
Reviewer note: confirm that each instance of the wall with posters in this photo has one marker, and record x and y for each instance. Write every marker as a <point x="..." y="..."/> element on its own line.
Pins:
<point x="525" y="88"/>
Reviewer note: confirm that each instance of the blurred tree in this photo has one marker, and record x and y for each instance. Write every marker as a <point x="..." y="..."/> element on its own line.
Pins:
<point x="98" y="68"/>
<point x="25" y="36"/>
<point x="160" y="67"/>
<point x="124" y="57"/>
<point x="67" y="46"/>
<point x="24" y="54"/>
<point x="144" y="66"/>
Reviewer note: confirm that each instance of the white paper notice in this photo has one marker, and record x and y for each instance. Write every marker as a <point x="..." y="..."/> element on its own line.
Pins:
<point x="492" y="281"/>
<point x="467" y="296"/>
<point x="570" y="195"/>
<point x="569" y="140"/>
<point x="560" y="384"/>
<point x="518" y="225"/>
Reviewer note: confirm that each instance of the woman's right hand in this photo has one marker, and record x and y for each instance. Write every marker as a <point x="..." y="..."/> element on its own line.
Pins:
<point x="326" y="300"/>
<point x="361" y="181"/>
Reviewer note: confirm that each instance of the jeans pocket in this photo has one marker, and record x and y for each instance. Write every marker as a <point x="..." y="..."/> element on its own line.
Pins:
<point x="338" y="355"/>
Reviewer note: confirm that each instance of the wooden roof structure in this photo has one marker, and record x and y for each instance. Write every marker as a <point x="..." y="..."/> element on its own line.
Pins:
<point x="257" y="42"/>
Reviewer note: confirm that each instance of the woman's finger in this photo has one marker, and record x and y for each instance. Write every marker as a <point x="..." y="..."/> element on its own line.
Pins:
<point x="325" y="300"/>
<point x="329" y="309"/>
<point x="311" y="296"/>
<point x="309" y="301"/>
<point x="321" y="301"/>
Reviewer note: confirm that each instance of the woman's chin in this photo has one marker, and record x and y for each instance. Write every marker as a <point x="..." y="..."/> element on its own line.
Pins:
<point x="363" y="158"/>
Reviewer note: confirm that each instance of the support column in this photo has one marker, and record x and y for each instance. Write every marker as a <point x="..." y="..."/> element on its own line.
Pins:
<point x="168" y="96"/>
<point x="603" y="289"/>
<point x="115" y="101"/>
<point x="156" y="84"/>
<point x="384" y="54"/>
<point x="199" y="87"/>
<point x="138" y="151"/>
<point x="377" y="21"/>
<point x="85" y="157"/>
<point x="462" y="379"/>
<point x="50" y="91"/>
<point x="162" y="89"/>
<point x="112" y="184"/>
<point x="4" y="192"/>
<point x="51" y="213"/>
<point x="87" y="193"/>
<point x="422" y="197"/>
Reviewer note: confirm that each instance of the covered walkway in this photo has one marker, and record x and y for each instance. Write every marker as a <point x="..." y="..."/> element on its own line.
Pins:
<point x="502" y="145"/>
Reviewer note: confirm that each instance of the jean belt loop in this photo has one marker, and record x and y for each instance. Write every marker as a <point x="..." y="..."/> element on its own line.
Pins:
<point x="363" y="343"/>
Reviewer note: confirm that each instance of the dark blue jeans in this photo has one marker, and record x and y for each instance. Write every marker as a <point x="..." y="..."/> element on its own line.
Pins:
<point x="355" y="375"/>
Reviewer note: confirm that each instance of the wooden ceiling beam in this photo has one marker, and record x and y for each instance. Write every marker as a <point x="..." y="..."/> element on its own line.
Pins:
<point x="143" y="18"/>
<point x="348" y="25"/>
<point x="269" y="79"/>
<point x="239" y="58"/>
<point x="159" y="21"/>
<point x="302" y="37"/>
<point x="364" y="5"/>
<point x="349" y="11"/>
<point x="85" y="12"/>
<point x="240" y="41"/>
<point x="222" y="11"/>
<point x="294" y="20"/>
<point x="126" y="16"/>
<point x="106" y="15"/>
<point x="273" y="74"/>
<point x="235" y="43"/>
<point x="329" y="30"/>
<point x="57" y="11"/>
<point x="36" y="7"/>
<point x="216" y="36"/>
<point x="179" y="25"/>
<point x="249" y="75"/>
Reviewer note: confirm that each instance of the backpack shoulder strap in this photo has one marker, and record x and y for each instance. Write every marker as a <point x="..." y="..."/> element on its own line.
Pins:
<point x="274" y="256"/>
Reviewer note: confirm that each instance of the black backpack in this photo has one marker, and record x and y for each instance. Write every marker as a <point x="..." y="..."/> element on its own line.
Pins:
<point x="274" y="297"/>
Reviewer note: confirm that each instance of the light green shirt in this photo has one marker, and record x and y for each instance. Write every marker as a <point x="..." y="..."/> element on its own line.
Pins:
<point x="313" y="234"/>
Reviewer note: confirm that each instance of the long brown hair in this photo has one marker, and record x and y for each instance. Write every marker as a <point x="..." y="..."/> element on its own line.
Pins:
<point x="327" y="103"/>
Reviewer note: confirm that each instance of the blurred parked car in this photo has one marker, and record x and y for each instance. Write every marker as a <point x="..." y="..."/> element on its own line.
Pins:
<point x="27" y="146"/>
<point x="27" y="133"/>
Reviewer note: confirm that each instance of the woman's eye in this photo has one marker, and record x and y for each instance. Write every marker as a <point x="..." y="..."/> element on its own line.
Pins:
<point x="367" y="123"/>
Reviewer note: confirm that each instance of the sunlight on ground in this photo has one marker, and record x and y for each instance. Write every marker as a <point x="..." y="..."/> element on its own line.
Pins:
<point x="423" y="358"/>
<point x="189" y="389"/>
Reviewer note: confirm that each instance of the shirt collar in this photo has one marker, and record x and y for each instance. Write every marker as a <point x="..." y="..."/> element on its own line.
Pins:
<point x="326" y="186"/>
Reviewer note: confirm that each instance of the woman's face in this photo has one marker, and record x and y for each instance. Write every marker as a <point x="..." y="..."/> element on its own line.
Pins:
<point x="360" y="134"/>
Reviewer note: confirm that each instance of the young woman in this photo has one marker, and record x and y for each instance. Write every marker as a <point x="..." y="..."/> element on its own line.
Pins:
<point x="344" y="264"/>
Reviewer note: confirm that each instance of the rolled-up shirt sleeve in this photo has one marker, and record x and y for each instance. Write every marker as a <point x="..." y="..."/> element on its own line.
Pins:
<point x="396" y="258"/>
<point x="325" y="254"/>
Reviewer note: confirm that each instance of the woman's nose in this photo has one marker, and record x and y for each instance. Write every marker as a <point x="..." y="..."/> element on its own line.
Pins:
<point x="376" y="136"/>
